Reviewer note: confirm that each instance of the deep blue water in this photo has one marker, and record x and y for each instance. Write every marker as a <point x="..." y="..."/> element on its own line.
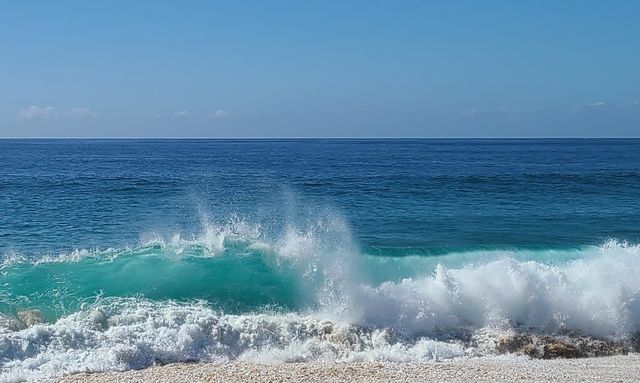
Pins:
<point x="123" y="254"/>
<point x="67" y="194"/>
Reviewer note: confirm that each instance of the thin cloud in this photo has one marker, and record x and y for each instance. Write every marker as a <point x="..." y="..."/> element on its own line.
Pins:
<point x="35" y="112"/>
<point x="635" y="104"/>
<point x="605" y="106"/>
<point x="181" y="113"/>
<point x="220" y="113"/>
<point x="595" y="105"/>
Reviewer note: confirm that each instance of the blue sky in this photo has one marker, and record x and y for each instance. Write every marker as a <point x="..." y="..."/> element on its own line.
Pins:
<point x="321" y="68"/>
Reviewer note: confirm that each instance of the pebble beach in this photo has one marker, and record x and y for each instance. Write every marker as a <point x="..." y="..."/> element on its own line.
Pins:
<point x="621" y="368"/>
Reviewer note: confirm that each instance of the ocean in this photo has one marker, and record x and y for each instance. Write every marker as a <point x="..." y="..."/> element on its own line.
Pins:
<point x="123" y="254"/>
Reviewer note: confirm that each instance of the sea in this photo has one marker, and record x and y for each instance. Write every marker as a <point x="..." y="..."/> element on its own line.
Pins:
<point x="123" y="254"/>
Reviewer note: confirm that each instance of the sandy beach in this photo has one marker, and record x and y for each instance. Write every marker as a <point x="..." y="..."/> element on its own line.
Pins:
<point x="498" y="369"/>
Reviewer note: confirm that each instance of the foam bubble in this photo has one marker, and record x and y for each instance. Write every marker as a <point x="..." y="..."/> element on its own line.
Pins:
<point x="430" y="308"/>
<point x="598" y="295"/>
<point x="141" y="333"/>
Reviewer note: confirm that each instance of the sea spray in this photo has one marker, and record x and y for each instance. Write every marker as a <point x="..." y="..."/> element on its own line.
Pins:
<point x="235" y="291"/>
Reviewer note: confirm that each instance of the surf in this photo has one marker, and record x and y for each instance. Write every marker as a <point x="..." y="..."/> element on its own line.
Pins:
<point x="234" y="291"/>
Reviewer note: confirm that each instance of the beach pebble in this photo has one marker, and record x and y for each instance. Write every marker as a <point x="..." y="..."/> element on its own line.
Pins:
<point x="99" y="317"/>
<point x="497" y="369"/>
<point x="30" y="317"/>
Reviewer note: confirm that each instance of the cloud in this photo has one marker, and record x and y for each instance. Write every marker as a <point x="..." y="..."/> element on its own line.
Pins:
<point x="634" y="104"/>
<point x="220" y="113"/>
<point x="595" y="105"/>
<point x="35" y="112"/>
<point x="180" y="113"/>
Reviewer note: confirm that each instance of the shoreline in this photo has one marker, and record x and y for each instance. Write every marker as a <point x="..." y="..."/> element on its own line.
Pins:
<point x="618" y="368"/>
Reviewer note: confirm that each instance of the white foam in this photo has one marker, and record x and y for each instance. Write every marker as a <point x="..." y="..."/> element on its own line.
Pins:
<point x="401" y="321"/>
<point x="598" y="295"/>
<point x="353" y="319"/>
<point x="138" y="334"/>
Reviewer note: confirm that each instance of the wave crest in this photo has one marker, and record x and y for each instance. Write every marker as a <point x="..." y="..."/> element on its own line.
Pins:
<point x="308" y="293"/>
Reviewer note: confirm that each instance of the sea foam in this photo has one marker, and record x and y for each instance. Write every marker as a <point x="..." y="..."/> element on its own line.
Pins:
<point x="454" y="305"/>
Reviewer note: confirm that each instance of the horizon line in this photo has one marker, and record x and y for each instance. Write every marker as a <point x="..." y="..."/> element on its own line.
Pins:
<point x="322" y="138"/>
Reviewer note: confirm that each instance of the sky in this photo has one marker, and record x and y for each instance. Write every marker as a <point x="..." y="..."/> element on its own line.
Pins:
<point x="319" y="68"/>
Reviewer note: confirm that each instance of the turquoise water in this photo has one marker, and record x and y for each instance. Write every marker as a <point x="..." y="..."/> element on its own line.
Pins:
<point x="120" y="254"/>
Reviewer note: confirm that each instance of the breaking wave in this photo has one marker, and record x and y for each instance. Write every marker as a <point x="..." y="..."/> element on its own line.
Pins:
<point x="307" y="293"/>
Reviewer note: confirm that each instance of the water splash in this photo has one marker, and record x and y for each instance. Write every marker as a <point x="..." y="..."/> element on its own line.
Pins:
<point x="236" y="290"/>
